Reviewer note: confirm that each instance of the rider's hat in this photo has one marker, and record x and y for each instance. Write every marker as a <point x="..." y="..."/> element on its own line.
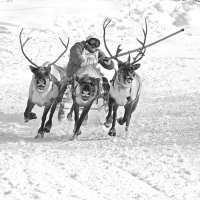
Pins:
<point x="90" y="37"/>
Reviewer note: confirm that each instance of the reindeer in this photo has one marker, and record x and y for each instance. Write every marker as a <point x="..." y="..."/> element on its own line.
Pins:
<point x="125" y="86"/>
<point x="44" y="88"/>
<point x="86" y="88"/>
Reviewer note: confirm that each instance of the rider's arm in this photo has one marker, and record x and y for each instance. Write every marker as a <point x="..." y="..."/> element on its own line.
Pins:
<point x="76" y="54"/>
<point x="105" y="61"/>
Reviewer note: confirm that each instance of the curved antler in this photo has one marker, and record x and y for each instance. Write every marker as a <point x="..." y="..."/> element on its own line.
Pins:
<point x="23" y="44"/>
<point x="22" y="48"/>
<point x="105" y="24"/>
<point x="66" y="47"/>
<point x="141" y="50"/>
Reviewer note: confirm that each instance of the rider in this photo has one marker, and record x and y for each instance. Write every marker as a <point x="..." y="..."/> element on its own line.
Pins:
<point x="82" y="54"/>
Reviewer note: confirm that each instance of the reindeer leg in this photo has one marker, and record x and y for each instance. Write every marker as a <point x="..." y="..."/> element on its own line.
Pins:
<point x="76" y="119"/>
<point x="106" y="88"/>
<point x="79" y="122"/>
<point x="112" y="131"/>
<point x="85" y="120"/>
<point x="61" y="112"/>
<point x="109" y="118"/>
<point x="132" y="109"/>
<point x="41" y="130"/>
<point x="69" y="115"/>
<point x="48" y="124"/>
<point x="62" y="91"/>
<point x="122" y="120"/>
<point x="28" y="115"/>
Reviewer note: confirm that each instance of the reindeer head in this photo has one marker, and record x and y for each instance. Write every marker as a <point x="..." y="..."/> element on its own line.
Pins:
<point x="41" y="76"/>
<point x="41" y="73"/>
<point x="88" y="86"/>
<point x="126" y="70"/>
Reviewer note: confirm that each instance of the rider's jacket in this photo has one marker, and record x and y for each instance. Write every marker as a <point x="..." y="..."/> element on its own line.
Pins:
<point x="80" y="54"/>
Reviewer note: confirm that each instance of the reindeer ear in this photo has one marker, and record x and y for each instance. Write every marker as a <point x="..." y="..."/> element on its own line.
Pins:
<point x="32" y="68"/>
<point x="136" y="66"/>
<point x="120" y="64"/>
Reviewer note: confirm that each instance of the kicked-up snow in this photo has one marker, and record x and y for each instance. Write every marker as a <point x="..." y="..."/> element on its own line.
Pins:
<point x="157" y="159"/>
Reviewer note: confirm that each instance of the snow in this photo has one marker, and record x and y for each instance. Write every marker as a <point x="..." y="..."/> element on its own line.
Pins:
<point x="158" y="159"/>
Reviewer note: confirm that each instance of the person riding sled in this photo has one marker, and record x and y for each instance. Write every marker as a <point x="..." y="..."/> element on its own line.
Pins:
<point x="87" y="53"/>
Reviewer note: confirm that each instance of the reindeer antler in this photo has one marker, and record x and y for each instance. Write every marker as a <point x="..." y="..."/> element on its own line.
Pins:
<point x="22" y="48"/>
<point x="105" y="24"/>
<point x="141" y="50"/>
<point x="66" y="47"/>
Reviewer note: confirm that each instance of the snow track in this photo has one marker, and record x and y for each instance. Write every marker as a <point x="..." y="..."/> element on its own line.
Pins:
<point x="154" y="162"/>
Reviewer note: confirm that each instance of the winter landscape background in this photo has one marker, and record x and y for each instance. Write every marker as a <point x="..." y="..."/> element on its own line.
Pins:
<point x="159" y="159"/>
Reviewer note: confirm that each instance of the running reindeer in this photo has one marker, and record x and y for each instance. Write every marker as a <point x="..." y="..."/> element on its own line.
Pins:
<point x="44" y="88"/>
<point x="125" y="86"/>
<point x="86" y="88"/>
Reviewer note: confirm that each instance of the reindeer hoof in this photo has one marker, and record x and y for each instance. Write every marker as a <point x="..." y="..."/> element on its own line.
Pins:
<point x="107" y="124"/>
<point x="120" y="121"/>
<point x="39" y="135"/>
<point x="76" y="134"/>
<point x="26" y="119"/>
<point x="47" y="127"/>
<point x="79" y="132"/>
<point x="112" y="133"/>
<point x="30" y="116"/>
<point x="74" y="137"/>
<point x="41" y="132"/>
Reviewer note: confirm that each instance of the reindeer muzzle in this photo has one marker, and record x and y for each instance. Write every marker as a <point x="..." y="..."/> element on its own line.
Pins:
<point x="41" y="83"/>
<point x="86" y="91"/>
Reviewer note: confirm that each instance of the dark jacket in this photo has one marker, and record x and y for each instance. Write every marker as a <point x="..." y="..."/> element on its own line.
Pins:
<point x="76" y="58"/>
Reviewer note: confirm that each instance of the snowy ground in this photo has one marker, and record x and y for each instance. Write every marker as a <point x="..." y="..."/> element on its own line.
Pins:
<point x="160" y="157"/>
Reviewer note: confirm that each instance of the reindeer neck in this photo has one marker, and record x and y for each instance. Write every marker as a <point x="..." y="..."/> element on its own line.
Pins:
<point x="55" y="81"/>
